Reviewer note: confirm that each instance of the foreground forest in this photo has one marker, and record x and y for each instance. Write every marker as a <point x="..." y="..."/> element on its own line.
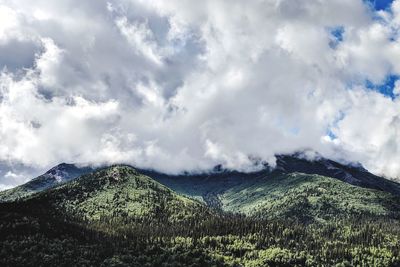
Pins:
<point x="120" y="217"/>
<point x="28" y="240"/>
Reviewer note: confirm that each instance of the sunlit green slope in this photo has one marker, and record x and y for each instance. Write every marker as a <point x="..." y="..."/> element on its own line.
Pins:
<point x="118" y="192"/>
<point x="308" y="197"/>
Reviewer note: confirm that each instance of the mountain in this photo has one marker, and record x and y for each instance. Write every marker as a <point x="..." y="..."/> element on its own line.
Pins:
<point x="84" y="221"/>
<point x="320" y="188"/>
<point x="117" y="192"/>
<point x="353" y="174"/>
<point x="307" y="197"/>
<point x="297" y="188"/>
<point x="281" y="193"/>
<point x="205" y="186"/>
<point x="57" y="175"/>
<point x="122" y="216"/>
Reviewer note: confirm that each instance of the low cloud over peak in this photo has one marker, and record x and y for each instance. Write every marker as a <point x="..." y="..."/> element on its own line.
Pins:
<point x="185" y="86"/>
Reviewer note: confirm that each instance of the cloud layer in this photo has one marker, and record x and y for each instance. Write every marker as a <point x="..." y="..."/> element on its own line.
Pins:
<point x="186" y="85"/>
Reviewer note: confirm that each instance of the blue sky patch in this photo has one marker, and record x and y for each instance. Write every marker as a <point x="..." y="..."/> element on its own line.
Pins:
<point x="336" y="35"/>
<point x="380" y="4"/>
<point x="334" y="125"/>
<point x="331" y="135"/>
<point x="385" y="88"/>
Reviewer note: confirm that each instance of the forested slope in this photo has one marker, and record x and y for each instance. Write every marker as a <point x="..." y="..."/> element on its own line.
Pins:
<point x="118" y="216"/>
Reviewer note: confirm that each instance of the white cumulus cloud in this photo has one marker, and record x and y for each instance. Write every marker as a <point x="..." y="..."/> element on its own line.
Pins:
<point x="187" y="85"/>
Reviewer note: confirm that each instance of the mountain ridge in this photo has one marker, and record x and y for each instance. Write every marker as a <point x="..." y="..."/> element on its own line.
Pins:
<point x="210" y="184"/>
<point x="98" y="194"/>
<point x="350" y="173"/>
<point x="59" y="174"/>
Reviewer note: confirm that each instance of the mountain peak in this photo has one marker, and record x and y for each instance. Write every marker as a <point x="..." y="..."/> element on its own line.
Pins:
<point x="59" y="174"/>
<point x="121" y="187"/>
<point x="352" y="173"/>
<point x="62" y="172"/>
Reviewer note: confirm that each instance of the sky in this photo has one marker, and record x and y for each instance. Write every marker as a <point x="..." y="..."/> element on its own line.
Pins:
<point x="187" y="85"/>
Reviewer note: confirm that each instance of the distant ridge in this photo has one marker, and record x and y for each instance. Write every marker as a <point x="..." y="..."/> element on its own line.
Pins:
<point x="59" y="174"/>
<point x="352" y="174"/>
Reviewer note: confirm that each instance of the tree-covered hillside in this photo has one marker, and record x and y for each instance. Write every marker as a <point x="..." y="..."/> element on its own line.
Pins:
<point x="118" y="216"/>
<point x="308" y="197"/>
<point x="117" y="194"/>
